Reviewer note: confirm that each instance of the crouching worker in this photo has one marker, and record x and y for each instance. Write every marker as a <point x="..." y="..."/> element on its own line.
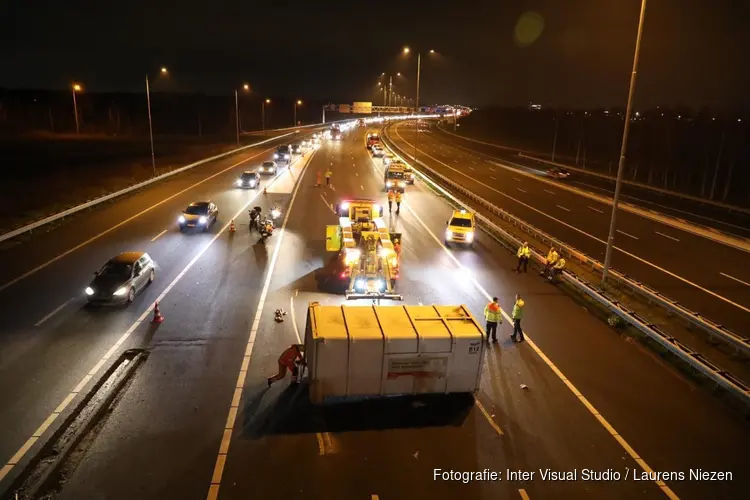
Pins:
<point x="289" y="359"/>
<point x="557" y="269"/>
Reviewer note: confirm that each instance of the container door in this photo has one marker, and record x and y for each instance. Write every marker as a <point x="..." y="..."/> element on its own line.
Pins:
<point x="333" y="239"/>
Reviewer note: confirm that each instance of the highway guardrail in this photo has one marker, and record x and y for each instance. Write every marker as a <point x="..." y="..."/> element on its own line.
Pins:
<point x="720" y="376"/>
<point x="676" y="194"/>
<point x="83" y="206"/>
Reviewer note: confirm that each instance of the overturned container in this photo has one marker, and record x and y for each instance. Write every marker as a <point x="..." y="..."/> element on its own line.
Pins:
<point x="356" y="352"/>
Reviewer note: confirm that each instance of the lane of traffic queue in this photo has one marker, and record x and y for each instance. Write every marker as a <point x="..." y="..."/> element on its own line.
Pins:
<point x="168" y="424"/>
<point x="698" y="272"/>
<point x="40" y="365"/>
<point x="701" y="213"/>
<point x="401" y="441"/>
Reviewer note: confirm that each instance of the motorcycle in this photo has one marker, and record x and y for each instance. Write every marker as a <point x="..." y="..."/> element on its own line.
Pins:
<point x="254" y="218"/>
<point x="266" y="229"/>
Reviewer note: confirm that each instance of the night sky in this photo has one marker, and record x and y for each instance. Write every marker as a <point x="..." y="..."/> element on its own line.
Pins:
<point x="575" y="53"/>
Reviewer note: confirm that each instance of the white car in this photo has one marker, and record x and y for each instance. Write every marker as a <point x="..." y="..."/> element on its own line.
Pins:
<point x="388" y="158"/>
<point x="377" y="151"/>
<point x="268" y="168"/>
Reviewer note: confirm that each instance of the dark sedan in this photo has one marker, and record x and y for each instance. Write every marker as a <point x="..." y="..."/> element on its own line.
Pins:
<point x="201" y="214"/>
<point x="121" y="279"/>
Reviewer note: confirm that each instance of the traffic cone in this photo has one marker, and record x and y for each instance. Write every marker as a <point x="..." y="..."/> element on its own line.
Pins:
<point x="158" y="318"/>
<point x="231" y="226"/>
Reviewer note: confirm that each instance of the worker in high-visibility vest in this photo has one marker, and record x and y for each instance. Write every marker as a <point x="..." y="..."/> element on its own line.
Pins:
<point x="328" y="177"/>
<point x="524" y="252"/>
<point x="557" y="269"/>
<point x="552" y="258"/>
<point x="493" y="315"/>
<point x="399" y="197"/>
<point x="288" y="361"/>
<point x="391" y="199"/>
<point x="517" y="317"/>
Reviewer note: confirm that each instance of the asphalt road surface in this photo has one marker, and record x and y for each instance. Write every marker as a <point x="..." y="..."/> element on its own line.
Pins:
<point x="708" y="277"/>
<point x="591" y="399"/>
<point x="695" y="211"/>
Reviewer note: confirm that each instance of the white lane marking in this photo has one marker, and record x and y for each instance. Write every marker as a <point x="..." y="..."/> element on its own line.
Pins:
<point x="471" y="168"/>
<point x="122" y="223"/>
<point x="666" y="236"/>
<point x="524" y="495"/>
<point x="581" y="398"/>
<point x="57" y="310"/>
<point x="516" y="179"/>
<point x="492" y="169"/>
<point x="522" y="190"/>
<point x="80" y="386"/>
<point x="472" y="161"/>
<point x="574" y="228"/>
<point x="735" y="279"/>
<point x="361" y="187"/>
<point x="595" y="210"/>
<point x="356" y="174"/>
<point x="221" y="458"/>
<point x="550" y="192"/>
<point x="492" y="178"/>
<point x="328" y="205"/>
<point x="157" y="236"/>
<point x="627" y="234"/>
<point x="562" y="207"/>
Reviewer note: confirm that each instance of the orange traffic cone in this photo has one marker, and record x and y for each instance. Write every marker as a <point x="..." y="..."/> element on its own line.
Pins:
<point x="231" y="226"/>
<point x="158" y="318"/>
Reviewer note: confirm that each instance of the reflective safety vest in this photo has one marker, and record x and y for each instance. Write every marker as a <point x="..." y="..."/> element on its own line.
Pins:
<point x="328" y="173"/>
<point x="552" y="257"/>
<point x="524" y="251"/>
<point x="518" y="309"/>
<point x="391" y="195"/>
<point x="398" y="196"/>
<point x="397" y="247"/>
<point x="560" y="264"/>
<point x="287" y="357"/>
<point x="493" y="313"/>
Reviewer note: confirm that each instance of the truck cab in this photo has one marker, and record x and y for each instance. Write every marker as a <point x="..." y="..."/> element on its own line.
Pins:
<point x="461" y="228"/>
<point x="394" y="178"/>
<point x="372" y="139"/>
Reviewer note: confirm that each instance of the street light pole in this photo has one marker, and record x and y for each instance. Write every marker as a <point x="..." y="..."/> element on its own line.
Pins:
<point x="390" y="90"/>
<point x="76" y="87"/>
<point x="296" y="103"/>
<point x="150" y="126"/>
<point x="237" y="115"/>
<point x="416" y="124"/>
<point x="263" y="113"/>
<point x="623" y="149"/>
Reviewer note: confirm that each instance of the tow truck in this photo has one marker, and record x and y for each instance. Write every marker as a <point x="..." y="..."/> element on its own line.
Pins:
<point x="366" y="264"/>
<point x="394" y="177"/>
<point x="461" y="228"/>
<point x="372" y="139"/>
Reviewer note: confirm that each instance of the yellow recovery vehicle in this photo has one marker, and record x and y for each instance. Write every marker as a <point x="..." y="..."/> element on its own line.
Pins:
<point x="368" y="262"/>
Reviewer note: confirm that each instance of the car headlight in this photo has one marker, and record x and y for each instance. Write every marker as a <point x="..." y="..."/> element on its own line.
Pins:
<point x="352" y="256"/>
<point x="380" y="285"/>
<point x="239" y="182"/>
<point x="121" y="291"/>
<point x="275" y="156"/>
<point x="448" y="234"/>
<point x="469" y="236"/>
<point x="181" y="219"/>
<point x="359" y="284"/>
<point x="345" y="205"/>
<point x="252" y="182"/>
<point x="286" y="157"/>
<point x="89" y="290"/>
<point x="401" y="184"/>
<point x="388" y="184"/>
<point x="376" y="208"/>
<point x="203" y="219"/>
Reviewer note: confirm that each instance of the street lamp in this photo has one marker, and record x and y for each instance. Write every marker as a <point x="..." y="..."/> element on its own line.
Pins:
<point x="624" y="147"/>
<point x="246" y="88"/>
<point x="76" y="88"/>
<point x="298" y="102"/>
<point x="407" y="50"/>
<point x="150" y="123"/>
<point x="263" y="113"/>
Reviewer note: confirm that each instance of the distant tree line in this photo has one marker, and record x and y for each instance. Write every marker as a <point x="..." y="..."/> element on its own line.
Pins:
<point x="33" y="111"/>
<point x="705" y="153"/>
